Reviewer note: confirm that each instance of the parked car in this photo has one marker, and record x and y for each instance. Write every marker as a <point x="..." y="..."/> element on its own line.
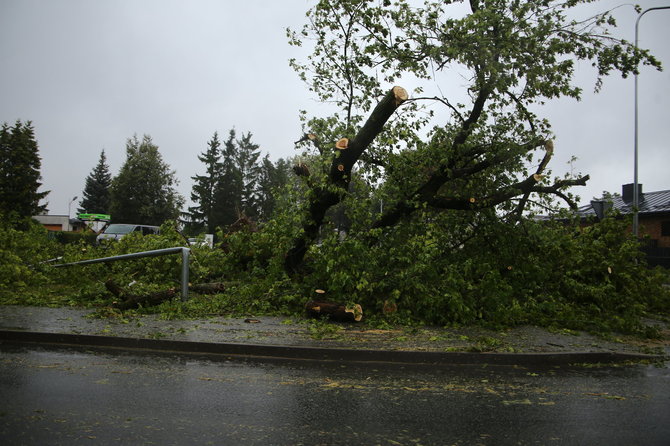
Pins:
<point x="117" y="231"/>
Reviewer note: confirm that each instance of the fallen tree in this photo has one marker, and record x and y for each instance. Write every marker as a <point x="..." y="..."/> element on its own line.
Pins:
<point x="127" y="300"/>
<point x="510" y="55"/>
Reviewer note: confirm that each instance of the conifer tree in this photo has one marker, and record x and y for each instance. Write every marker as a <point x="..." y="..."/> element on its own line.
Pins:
<point x="144" y="190"/>
<point x="271" y="177"/>
<point x="229" y="186"/>
<point x="236" y="182"/>
<point x="96" y="194"/>
<point x="247" y="164"/>
<point x="204" y="187"/>
<point x="20" y="171"/>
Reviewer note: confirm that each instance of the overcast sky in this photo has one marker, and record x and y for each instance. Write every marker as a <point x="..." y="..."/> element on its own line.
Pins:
<point x="90" y="74"/>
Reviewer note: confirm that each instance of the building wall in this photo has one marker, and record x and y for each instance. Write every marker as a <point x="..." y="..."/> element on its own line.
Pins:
<point x="651" y="225"/>
<point x="54" y="222"/>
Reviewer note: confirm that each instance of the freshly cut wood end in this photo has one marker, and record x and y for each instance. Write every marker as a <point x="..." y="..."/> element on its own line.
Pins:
<point x="342" y="144"/>
<point x="356" y="310"/>
<point x="537" y="177"/>
<point x="311" y="136"/>
<point x="340" y="167"/>
<point x="320" y="291"/>
<point x="400" y="95"/>
<point x="549" y="146"/>
<point x="472" y="199"/>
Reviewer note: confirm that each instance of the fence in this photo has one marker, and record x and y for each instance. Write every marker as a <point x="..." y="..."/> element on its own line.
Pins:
<point x="185" y="253"/>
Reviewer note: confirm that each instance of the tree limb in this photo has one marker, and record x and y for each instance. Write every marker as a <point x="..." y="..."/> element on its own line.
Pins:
<point x="326" y="196"/>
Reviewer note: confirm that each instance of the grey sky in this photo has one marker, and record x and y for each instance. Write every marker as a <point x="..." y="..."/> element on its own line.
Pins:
<point x="90" y="74"/>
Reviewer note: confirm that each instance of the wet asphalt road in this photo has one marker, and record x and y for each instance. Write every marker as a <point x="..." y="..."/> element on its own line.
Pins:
<point x="69" y="397"/>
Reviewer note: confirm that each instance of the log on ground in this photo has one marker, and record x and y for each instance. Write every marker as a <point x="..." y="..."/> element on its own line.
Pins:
<point x="127" y="301"/>
<point x="334" y="311"/>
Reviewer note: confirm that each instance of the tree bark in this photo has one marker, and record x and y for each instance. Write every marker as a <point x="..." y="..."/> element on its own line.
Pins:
<point x="128" y="301"/>
<point x="333" y="311"/>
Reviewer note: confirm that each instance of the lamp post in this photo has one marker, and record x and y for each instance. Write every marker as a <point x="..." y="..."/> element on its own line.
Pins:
<point x="68" y="210"/>
<point x="636" y="199"/>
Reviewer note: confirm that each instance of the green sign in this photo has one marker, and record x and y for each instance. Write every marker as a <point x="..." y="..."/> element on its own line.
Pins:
<point x="94" y="217"/>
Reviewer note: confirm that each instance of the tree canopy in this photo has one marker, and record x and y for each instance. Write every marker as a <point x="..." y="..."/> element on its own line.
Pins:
<point x="144" y="191"/>
<point x="96" y="194"/>
<point x="236" y="182"/>
<point x="482" y="148"/>
<point x="20" y="176"/>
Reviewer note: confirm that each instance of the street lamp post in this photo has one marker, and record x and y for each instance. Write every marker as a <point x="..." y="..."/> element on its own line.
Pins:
<point x="636" y="187"/>
<point x="68" y="210"/>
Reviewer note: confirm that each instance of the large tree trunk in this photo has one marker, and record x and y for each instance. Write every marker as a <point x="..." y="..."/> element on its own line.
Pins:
<point x="350" y="151"/>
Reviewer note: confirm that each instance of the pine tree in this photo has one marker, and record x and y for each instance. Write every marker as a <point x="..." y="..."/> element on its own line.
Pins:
<point x="20" y="171"/>
<point x="229" y="186"/>
<point x="204" y="188"/>
<point x="144" y="190"/>
<point x="96" y="195"/>
<point x="247" y="163"/>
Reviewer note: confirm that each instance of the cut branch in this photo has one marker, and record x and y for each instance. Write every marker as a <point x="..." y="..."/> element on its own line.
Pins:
<point x="342" y="144"/>
<point x="334" y="311"/>
<point x="127" y="301"/>
<point x="323" y="197"/>
<point x="549" y="152"/>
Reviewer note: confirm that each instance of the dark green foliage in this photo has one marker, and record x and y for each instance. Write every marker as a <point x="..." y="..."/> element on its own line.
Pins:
<point x="246" y="159"/>
<point x="272" y="176"/>
<point x="228" y="191"/>
<point x="144" y="190"/>
<point x="204" y="187"/>
<point x="236" y="182"/>
<point x="86" y="237"/>
<point x="20" y="171"/>
<point x="96" y="195"/>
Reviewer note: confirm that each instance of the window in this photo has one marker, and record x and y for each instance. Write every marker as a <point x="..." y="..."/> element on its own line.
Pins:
<point x="665" y="229"/>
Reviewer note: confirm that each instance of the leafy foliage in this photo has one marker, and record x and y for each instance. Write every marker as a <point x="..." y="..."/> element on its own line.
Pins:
<point x="424" y="212"/>
<point x="479" y="149"/>
<point x="144" y="190"/>
<point x="22" y="253"/>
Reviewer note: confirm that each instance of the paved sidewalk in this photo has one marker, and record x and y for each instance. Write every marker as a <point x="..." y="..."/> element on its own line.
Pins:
<point x="302" y="339"/>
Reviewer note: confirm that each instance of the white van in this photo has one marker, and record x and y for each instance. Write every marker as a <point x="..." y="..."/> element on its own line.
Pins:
<point x="117" y="231"/>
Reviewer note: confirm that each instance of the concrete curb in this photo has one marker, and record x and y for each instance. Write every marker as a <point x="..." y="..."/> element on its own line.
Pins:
<point x="279" y="352"/>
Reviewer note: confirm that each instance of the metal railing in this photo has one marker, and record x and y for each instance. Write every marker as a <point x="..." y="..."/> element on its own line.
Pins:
<point x="185" y="252"/>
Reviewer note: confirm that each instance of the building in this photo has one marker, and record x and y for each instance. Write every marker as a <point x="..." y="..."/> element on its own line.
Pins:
<point x="55" y="222"/>
<point x="653" y="217"/>
<point x="63" y="223"/>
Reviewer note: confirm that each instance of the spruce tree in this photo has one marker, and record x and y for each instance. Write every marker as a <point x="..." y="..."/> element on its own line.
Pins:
<point x="144" y="190"/>
<point x="229" y="185"/>
<point x="96" y="195"/>
<point x="272" y="176"/>
<point x="247" y="164"/>
<point x="204" y="188"/>
<point x="20" y="176"/>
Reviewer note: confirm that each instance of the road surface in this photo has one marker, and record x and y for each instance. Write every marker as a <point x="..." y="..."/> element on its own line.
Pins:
<point x="70" y="397"/>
